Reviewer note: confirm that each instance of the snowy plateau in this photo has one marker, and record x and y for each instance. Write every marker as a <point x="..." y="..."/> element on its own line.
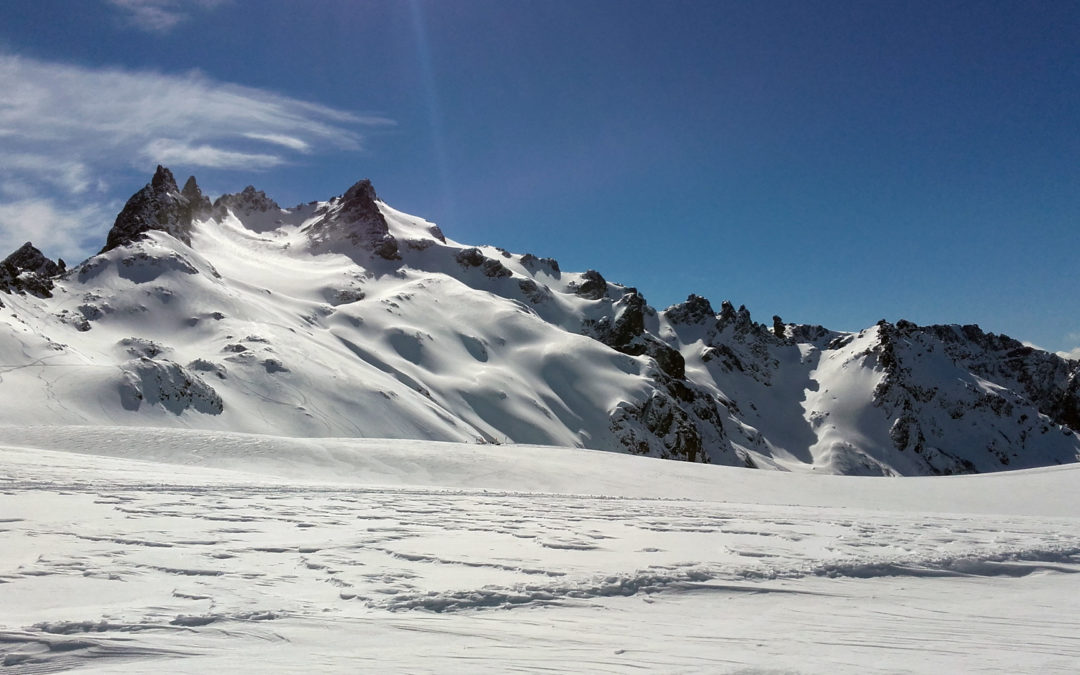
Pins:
<point x="329" y="439"/>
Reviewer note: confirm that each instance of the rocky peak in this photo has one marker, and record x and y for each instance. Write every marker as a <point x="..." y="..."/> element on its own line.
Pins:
<point x="727" y="312"/>
<point x="742" y="317"/>
<point x="358" y="204"/>
<point x="694" y="310"/>
<point x="27" y="270"/>
<point x="27" y="258"/>
<point x="163" y="180"/>
<point x="533" y="263"/>
<point x="358" y="221"/>
<point x="157" y="206"/>
<point x="247" y="201"/>
<point x="197" y="201"/>
<point x="362" y="191"/>
<point x="778" y="327"/>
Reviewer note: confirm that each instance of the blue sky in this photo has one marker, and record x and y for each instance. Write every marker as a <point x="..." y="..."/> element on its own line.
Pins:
<point x="830" y="162"/>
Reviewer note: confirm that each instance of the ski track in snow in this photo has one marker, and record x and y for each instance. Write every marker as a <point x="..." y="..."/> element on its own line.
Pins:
<point x="107" y="569"/>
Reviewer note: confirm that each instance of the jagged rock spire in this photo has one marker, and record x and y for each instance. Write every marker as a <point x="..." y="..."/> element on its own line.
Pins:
<point x="695" y="309"/>
<point x="357" y="221"/>
<point x="247" y="201"/>
<point x="160" y="205"/>
<point x="198" y="202"/>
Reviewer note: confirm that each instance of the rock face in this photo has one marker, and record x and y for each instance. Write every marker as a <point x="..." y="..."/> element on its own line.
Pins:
<point x="151" y="382"/>
<point x="1028" y="391"/>
<point x="160" y="205"/>
<point x="354" y="220"/>
<point x="432" y="339"/>
<point x="244" y="203"/>
<point x="593" y="286"/>
<point x="27" y="270"/>
<point x="625" y="331"/>
<point x="474" y="257"/>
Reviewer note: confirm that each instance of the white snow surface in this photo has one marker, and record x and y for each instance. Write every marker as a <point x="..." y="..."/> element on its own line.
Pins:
<point x="132" y="549"/>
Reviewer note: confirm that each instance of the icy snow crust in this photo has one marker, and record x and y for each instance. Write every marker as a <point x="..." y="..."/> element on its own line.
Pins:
<point x="136" y="550"/>
<point x="303" y="323"/>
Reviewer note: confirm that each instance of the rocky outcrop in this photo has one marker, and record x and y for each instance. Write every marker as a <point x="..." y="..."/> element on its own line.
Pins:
<point x="593" y="286"/>
<point x="354" y="220"/>
<point x="679" y="420"/>
<point x="197" y="201"/>
<point x="549" y="266"/>
<point x="695" y="310"/>
<point x="27" y="270"/>
<point x="160" y="205"/>
<point x="1012" y="394"/>
<point x="625" y="332"/>
<point x="244" y="203"/>
<point x="166" y="384"/>
<point x="474" y="257"/>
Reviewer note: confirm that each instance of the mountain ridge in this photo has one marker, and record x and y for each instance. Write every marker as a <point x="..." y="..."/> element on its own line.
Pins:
<point x="347" y="317"/>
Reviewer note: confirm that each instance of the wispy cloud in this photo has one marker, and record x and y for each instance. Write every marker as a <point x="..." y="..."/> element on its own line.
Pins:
<point x="285" y="141"/>
<point x="160" y="16"/>
<point x="69" y="132"/>
<point x="168" y="151"/>
<point x="56" y="230"/>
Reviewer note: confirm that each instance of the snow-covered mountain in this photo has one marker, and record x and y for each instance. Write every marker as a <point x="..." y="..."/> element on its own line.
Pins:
<point x="349" y="318"/>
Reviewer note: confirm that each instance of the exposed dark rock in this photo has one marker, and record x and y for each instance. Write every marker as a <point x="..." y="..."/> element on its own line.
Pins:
<point x="630" y="319"/>
<point x="742" y="318"/>
<point x="27" y="258"/>
<point x="386" y="247"/>
<point x="244" y="203"/>
<point x="1049" y="381"/>
<point x="534" y="292"/>
<point x="158" y="206"/>
<point x="356" y="220"/>
<point x="668" y="358"/>
<point x="474" y="257"/>
<point x="1030" y="384"/>
<point x="626" y="334"/>
<point x="27" y="270"/>
<point x="679" y="420"/>
<point x="812" y="334"/>
<point x="534" y="264"/>
<point x="471" y="257"/>
<point x="197" y="201"/>
<point x="358" y="202"/>
<point x="694" y="310"/>
<point x="727" y="312"/>
<point x="494" y="268"/>
<point x="725" y="355"/>
<point x="170" y="385"/>
<point x="592" y="286"/>
<point x="779" y="330"/>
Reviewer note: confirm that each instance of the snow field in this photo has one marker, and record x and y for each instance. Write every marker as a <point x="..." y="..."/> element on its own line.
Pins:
<point x="128" y="550"/>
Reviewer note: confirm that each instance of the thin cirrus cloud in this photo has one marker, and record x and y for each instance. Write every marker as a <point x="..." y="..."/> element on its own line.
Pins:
<point x="68" y="130"/>
<point x="55" y="229"/>
<point x="159" y="16"/>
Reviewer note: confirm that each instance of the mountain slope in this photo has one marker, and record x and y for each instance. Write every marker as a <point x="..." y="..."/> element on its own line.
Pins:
<point x="349" y="318"/>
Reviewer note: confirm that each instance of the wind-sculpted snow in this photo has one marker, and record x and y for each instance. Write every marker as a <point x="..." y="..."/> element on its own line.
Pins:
<point x="127" y="565"/>
<point x="348" y="318"/>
